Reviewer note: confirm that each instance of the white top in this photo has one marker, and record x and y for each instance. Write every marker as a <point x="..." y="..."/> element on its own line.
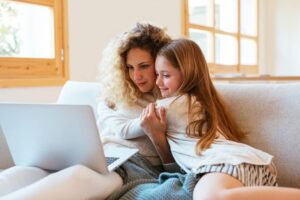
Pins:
<point x="221" y="151"/>
<point x="121" y="126"/>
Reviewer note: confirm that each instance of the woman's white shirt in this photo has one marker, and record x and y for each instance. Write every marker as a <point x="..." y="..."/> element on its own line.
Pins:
<point x="121" y="126"/>
<point x="221" y="151"/>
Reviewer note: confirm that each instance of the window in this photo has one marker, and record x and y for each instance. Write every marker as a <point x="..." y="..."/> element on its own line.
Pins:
<point x="33" y="42"/>
<point x="226" y="31"/>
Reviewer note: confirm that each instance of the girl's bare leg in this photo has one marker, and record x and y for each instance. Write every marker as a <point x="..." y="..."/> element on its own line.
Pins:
<point x="218" y="186"/>
<point x="76" y="182"/>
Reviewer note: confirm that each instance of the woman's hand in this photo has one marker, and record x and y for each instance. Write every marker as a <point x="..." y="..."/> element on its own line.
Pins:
<point x="155" y="128"/>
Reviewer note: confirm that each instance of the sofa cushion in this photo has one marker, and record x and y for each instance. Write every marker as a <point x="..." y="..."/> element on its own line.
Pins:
<point x="270" y="114"/>
<point x="75" y="92"/>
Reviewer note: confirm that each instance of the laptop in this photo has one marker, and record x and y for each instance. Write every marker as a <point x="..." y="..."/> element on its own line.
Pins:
<point x="55" y="136"/>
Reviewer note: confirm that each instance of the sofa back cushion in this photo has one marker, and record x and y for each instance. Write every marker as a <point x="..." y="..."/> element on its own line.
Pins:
<point x="270" y="114"/>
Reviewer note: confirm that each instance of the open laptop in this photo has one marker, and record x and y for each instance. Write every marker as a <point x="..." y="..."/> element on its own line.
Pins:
<point x="54" y="137"/>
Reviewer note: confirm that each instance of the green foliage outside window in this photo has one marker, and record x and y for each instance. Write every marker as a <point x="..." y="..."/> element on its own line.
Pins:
<point x="9" y="30"/>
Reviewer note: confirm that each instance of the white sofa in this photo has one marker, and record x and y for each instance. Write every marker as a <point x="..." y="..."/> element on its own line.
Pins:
<point x="269" y="113"/>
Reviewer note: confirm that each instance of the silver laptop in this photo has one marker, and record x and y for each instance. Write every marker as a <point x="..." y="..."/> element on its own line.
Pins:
<point x="54" y="137"/>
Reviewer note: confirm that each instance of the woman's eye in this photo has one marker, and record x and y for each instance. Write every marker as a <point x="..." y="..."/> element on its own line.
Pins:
<point x="144" y="66"/>
<point x="166" y="75"/>
<point x="129" y="67"/>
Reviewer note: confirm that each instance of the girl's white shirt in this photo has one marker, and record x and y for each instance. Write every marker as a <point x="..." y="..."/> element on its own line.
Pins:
<point x="121" y="126"/>
<point x="221" y="151"/>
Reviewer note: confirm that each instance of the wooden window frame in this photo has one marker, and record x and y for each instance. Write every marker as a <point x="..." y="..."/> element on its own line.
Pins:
<point x="19" y="72"/>
<point x="213" y="66"/>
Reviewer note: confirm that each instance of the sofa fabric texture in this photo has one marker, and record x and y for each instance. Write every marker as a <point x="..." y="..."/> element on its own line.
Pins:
<point x="269" y="114"/>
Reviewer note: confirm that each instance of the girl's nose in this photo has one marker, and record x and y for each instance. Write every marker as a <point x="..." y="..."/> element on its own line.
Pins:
<point x="158" y="81"/>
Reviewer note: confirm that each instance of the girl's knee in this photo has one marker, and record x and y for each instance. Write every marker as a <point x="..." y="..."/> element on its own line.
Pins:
<point x="215" y="186"/>
<point x="223" y="194"/>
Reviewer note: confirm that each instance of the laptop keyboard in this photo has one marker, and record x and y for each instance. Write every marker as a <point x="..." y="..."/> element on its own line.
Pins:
<point x="110" y="160"/>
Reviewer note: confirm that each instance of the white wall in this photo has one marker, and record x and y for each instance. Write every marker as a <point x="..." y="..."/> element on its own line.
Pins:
<point x="279" y="37"/>
<point x="92" y="23"/>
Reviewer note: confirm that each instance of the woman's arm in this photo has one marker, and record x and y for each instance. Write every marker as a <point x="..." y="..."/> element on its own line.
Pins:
<point x="155" y="128"/>
<point x="118" y="124"/>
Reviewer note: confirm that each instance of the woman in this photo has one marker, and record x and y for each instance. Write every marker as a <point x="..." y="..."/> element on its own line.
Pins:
<point x="131" y="77"/>
<point x="128" y="70"/>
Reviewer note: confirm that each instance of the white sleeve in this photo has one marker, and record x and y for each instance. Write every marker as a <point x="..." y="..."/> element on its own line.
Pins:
<point x="118" y="124"/>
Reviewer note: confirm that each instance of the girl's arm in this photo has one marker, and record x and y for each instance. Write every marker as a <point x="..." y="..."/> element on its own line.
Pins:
<point x="155" y="127"/>
<point x="119" y="125"/>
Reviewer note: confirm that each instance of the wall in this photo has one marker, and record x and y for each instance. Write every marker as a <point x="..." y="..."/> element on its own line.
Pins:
<point x="92" y="23"/>
<point x="279" y="37"/>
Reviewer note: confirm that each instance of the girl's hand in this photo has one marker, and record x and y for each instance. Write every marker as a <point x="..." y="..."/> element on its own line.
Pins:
<point x="155" y="128"/>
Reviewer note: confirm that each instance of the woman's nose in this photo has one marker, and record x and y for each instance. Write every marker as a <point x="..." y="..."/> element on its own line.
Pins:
<point x="137" y="75"/>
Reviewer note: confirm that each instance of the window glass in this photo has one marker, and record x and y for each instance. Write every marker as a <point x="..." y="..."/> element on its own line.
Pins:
<point x="26" y="30"/>
<point x="200" y="12"/>
<point x="226" y="12"/>
<point x="204" y="40"/>
<point x="249" y="17"/>
<point x="248" y="52"/>
<point x="226" y="49"/>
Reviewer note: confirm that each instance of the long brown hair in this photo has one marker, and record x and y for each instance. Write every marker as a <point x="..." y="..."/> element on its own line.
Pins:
<point x="186" y="55"/>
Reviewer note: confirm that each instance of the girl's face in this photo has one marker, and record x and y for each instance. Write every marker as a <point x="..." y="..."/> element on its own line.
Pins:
<point x="141" y="69"/>
<point x="169" y="79"/>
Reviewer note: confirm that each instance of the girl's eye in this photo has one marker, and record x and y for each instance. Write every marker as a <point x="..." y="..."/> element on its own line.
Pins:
<point x="166" y="75"/>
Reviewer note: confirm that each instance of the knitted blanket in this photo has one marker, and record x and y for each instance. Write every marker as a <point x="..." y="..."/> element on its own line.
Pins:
<point x="142" y="181"/>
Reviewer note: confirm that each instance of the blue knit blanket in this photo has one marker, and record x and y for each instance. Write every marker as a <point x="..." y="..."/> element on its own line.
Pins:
<point x="142" y="181"/>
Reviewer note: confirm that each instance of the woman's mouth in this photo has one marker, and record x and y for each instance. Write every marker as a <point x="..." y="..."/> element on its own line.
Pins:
<point x="141" y="84"/>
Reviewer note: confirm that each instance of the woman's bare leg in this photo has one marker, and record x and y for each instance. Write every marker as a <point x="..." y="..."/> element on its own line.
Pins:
<point x="77" y="182"/>
<point x="218" y="186"/>
<point x="18" y="177"/>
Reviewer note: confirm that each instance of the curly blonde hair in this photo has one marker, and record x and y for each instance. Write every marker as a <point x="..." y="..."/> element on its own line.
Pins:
<point x="116" y="84"/>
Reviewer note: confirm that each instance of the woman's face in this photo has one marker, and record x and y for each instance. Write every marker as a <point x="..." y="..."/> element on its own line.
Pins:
<point x="169" y="78"/>
<point x="141" y="69"/>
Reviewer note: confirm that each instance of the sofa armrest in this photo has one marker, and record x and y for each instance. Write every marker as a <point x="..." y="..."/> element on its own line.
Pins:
<point x="6" y="160"/>
<point x="76" y="92"/>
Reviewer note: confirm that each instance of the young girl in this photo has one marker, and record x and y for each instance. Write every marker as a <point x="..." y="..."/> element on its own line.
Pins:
<point x="203" y="137"/>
